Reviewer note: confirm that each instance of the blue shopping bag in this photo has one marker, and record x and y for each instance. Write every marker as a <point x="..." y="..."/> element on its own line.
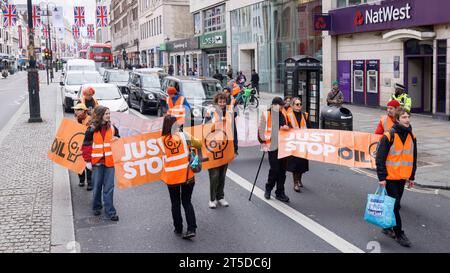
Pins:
<point x="380" y="209"/>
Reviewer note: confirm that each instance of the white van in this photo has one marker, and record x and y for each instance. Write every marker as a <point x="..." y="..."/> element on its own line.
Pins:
<point x="80" y="65"/>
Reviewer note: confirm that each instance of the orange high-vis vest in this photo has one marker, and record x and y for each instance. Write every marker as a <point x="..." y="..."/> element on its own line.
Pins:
<point x="235" y="89"/>
<point x="177" y="110"/>
<point x="400" y="160"/>
<point x="268" y="129"/>
<point x="101" y="148"/>
<point x="293" y="120"/>
<point x="176" y="151"/>
<point x="386" y="122"/>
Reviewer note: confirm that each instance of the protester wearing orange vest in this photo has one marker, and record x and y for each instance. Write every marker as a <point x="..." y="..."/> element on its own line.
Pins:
<point x="88" y="99"/>
<point x="387" y="121"/>
<point x="82" y="117"/>
<point x="177" y="174"/>
<point x="297" y="120"/>
<point x="177" y="105"/>
<point x="396" y="162"/>
<point x="98" y="156"/>
<point x="231" y="102"/>
<point x="222" y="115"/>
<point x="271" y="121"/>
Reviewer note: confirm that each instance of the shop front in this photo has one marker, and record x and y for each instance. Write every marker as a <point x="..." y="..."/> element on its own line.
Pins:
<point x="214" y="53"/>
<point x="404" y="41"/>
<point x="184" y="55"/>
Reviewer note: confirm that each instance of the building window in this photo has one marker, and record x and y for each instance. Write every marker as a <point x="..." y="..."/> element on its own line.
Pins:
<point x="197" y="23"/>
<point x="160" y="24"/>
<point x="214" y="19"/>
<point x="346" y="3"/>
<point x="441" y="76"/>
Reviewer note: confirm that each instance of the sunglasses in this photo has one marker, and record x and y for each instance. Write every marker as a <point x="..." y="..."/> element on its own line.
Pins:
<point x="298" y="104"/>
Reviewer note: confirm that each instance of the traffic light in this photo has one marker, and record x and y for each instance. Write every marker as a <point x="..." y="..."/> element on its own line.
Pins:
<point x="47" y="54"/>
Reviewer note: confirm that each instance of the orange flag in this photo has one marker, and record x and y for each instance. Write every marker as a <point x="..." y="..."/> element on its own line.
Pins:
<point x="66" y="147"/>
<point x="346" y="148"/>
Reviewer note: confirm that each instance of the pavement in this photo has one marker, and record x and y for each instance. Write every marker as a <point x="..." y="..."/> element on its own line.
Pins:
<point x="433" y="142"/>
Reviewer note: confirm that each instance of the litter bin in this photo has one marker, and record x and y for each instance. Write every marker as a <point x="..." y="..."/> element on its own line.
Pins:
<point x="335" y="118"/>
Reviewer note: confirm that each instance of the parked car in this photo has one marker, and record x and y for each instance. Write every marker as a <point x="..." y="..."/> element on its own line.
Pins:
<point x="199" y="92"/>
<point x="119" y="78"/>
<point x="144" y="91"/>
<point x="71" y="85"/>
<point x="108" y="95"/>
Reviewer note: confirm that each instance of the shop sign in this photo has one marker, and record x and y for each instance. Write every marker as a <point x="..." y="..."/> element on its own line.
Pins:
<point x="322" y="22"/>
<point x="213" y="40"/>
<point x="388" y="14"/>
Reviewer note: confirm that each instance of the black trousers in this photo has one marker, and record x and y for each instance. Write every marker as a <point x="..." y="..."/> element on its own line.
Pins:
<point x="86" y="174"/>
<point x="395" y="190"/>
<point x="277" y="173"/>
<point x="181" y="195"/>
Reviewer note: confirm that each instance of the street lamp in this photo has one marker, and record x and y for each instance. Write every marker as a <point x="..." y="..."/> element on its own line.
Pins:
<point x="45" y="6"/>
<point x="33" y="75"/>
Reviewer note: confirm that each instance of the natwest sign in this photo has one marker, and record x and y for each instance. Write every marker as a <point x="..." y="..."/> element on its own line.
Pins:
<point x="383" y="14"/>
<point x="389" y="14"/>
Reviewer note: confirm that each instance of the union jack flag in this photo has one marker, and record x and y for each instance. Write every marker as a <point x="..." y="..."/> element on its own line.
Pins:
<point x="36" y="16"/>
<point x="10" y="16"/>
<point x="102" y="16"/>
<point x="76" y="32"/>
<point x="79" y="16"/>
<point x="45" y="31"/>
<point x="90" y="31"/>
<point x="63" y="47"/>
<point x="79" y="46"/>
<point x="85" y="46"/>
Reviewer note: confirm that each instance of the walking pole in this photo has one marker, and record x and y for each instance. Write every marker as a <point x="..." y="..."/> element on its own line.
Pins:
<point x="257" y="174"/>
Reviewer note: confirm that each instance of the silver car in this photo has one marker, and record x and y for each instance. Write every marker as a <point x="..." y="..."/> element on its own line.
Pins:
<point x="71" y="85"/>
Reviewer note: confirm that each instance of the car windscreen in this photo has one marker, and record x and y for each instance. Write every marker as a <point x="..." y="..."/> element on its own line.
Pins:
<point x="201" y="90"/>
<point x="118" y="77"/>
<point x="107" y="93"/>
<point x="81" y="67"/>
<point x="151" y="82"/>
<point x="79" y="79"/>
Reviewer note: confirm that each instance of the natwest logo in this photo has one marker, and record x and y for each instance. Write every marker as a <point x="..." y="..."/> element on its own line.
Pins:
<point x="383" y="14"/>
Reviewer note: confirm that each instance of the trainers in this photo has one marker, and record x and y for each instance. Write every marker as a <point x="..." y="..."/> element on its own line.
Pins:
<point x="223" y="203"/>
<point x="267" y="194"/>
<point x="282" y="198"/>
<point x="89" y="187"/>
<point x="212" y="204"/>
<point x="403" y="240"/>
<point x="97" y="212"/>
<point x="189" y="235"/>
<point x="389" y="232"/>
<point x="178" y="232"/>
<point x="81" y="184"/>
<point x="114" y="218"/>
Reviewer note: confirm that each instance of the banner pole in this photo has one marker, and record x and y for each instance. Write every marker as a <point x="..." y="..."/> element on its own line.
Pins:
<point x="257" y="174"/>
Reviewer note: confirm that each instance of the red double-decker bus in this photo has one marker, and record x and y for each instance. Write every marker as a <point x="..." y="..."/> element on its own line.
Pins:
<point x="83" y="53"/>
<point x="101" y="54"/>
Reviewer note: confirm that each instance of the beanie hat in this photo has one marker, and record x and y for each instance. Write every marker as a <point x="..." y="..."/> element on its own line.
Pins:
<point x="394" y="103"/>
<point x="88" y="90"/>
<point x="171" y="90"/>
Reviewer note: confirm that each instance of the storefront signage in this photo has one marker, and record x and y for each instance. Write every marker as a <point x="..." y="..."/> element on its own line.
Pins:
<point x="389" y="14"/>
<point x="182" y="45"/>
<point x="322" y="22"/>
<point x="213" y="40"/>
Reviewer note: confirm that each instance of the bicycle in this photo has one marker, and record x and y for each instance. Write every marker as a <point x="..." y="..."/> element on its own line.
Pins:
<point x="247" y="98"/>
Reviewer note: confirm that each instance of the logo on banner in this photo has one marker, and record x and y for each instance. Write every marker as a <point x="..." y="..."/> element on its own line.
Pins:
<point x="382" y="15"/>
<point x="359" y="19"/>
<point x="216" y="142"/>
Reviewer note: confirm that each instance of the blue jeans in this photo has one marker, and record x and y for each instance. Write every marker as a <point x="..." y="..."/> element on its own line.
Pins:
<point x="103" y="180"/>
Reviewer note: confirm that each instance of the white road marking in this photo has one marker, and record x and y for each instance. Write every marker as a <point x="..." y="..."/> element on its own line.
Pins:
<point x="317" y="229"/>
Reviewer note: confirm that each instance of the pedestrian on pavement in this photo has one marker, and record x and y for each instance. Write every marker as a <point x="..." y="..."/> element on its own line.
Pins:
<point x="177" y="105"/>
<point x="82" y="117"/>
<point x="297" y="120"/>
<point x="88" y="98"/>
<point x="335" y="96"/>
<point x="241" y="79"/>
<point x="255" y="81"/>
<point x="402" y="97"/>
<point x="177" y="174"/>
<point x="271" y="122"/>
<point x="234" y="88"/>
<point x="99" y="158"/>
<point x="218" y="76"/>
<point x="387" y="121"/>
<point x="171" y="70"/>
<point x="396" y="162"/>
<point x="222" y="115"/>
<point x="230" y="72"/>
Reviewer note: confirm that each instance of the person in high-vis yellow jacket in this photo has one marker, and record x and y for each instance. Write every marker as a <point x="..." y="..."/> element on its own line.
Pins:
<point x="402" y="97"/>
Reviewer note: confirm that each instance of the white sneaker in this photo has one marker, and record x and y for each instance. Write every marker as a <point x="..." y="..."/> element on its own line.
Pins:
<point x="212" y="204"/>
<point x="223" y="203"/>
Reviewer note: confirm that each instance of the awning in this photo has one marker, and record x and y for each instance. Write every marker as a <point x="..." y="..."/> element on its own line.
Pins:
<point x="406" y="34"/>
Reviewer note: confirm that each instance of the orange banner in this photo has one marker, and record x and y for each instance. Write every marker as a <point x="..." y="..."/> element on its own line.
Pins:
<point x="138" y="159"/>
<point x="346" y="148"/>
<point x="66" y="147"/>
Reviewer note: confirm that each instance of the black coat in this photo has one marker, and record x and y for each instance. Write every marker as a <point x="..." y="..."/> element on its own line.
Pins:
<point x="297" y="164"/>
